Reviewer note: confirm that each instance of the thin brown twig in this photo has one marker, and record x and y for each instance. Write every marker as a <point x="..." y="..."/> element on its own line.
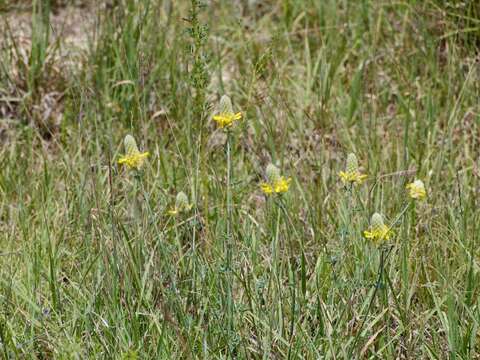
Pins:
<point x="408" y="172"/>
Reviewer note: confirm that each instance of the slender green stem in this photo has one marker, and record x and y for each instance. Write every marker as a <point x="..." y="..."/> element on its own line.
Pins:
<point x="385" y="252"/>
<point x="275" y="245"/>
<point x="116" y="269"/>
<point x="348" y="213"/>
<point x="229" y="199"/>
<point x="229" y="240"/>
<point x="139" y="215"/>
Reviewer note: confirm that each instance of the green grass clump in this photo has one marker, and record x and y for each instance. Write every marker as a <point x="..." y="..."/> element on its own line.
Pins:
<point x="226" y="230"/>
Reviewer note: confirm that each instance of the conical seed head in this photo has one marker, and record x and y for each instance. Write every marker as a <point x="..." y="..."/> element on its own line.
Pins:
<point x="181" y="202"/>
<point x="226" y="105"/>
<point x="418" y="184"/>
<point x="273" y="173"/>
<point x="352" y="163"/>
<point x="130" y="145"/>
<point x="377" y="221"/>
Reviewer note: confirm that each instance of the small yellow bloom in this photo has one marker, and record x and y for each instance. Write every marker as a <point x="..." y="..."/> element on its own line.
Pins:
<point x="134" y="159"/>
<point x="416" y="190"/>
<point x="226" y="117"/>
<point x="276" y="183"/>
<point x="279" y="186"/>
<point x="352" y="177"/>
<point x="378" y="231"/>
<point x="352" y="174"/>
<point x="181" y="204"/>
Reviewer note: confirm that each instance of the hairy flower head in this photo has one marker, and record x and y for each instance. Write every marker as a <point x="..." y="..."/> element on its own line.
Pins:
<point x="181" y="204"/>
<point x="378" y="231"/>
<point x="416" y="190"/>
<point x="352" y="174"/>
<point x="225" y="105"/>
<point x="352" y="163"/>
<point x="133" y="158"/>
<point x="272" y="172"/>
<point x="226" y="117"/>
<point x="276" y="184"/>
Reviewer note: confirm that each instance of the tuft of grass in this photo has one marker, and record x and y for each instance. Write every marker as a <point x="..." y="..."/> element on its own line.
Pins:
<point x="92" y="265"/>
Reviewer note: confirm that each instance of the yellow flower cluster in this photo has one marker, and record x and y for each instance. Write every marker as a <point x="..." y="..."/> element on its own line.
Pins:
<point x="225" y="120"/>
<point x="352" y="175"/>
<point x="226" y="117"/>
<point x="181" y="204"/>
<point x="416" y="190"/>
<point x="133" y="159"/>
<point x="276" y="184"/>
<point x="279" y="186"/>
<point x="378" y="231"/>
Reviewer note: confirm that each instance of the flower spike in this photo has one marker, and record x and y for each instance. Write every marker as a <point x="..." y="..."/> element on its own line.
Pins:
<point x="416" y="190"/>
<point x="276" y="183"/>
<point x="181" y="204"/>
<point x="378" y="231"/>
<point x="352" y="174"/>
<point x="133" y="159"/>
<point x="226" y="117"/>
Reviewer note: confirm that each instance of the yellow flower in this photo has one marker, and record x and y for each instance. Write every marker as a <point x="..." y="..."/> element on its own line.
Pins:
<point x="416" y="190"/>
<point x="181" y="204"/>
<point x="134" y="159"/>
<point x="226" y="117"/>
<point x="352" y="177"/>
<point x="352" y="174"/>
<point x="276" y="183"/>
<point x="226" y="120"/>
<point x="378" y="231"/>
<point x="279" y="186"/>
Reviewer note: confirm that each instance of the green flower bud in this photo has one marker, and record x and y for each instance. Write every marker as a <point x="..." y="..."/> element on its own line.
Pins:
<point x="226" y="105"/>
<point x="352" y="163"/>
<point x="377" y="222"/>
<point x="130" y="144"/>
<point x="273" y="173"/>
<point x="181" y="202"/>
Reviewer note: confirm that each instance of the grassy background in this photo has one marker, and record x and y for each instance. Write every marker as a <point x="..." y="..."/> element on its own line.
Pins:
<point x="91" y="265"/>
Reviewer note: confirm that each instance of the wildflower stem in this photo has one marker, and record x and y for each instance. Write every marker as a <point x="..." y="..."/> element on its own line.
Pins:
<point x="275" y="244"/>
<point x="276" y="264"/>
<point x="139" y="215"/>
<point x="347" y="225"/>
<point x="405" y="250"/>
<point x="116" y="269"/>
<point x="413" y="214"/>
<point x="228" y="243"/>
<point x="349" y="190"/>
<point x="385" y="252"/>
<point x="281" y="208"/>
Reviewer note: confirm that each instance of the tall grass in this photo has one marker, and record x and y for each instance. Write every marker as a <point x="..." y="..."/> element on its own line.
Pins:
<point x="92" y="265"/>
